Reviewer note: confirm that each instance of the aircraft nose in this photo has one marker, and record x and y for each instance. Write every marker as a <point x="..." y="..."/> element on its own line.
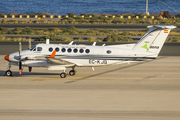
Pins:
<point x="6" y="57"/>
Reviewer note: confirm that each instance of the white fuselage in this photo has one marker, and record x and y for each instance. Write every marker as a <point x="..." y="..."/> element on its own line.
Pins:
<point x="80" y="55"/>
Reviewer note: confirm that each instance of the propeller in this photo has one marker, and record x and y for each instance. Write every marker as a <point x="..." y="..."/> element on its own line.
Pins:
<point x="22" y="58"/>
<point x="20" y="63"/>
<point x="29" y="45"/>
<point x="30" y="68"/>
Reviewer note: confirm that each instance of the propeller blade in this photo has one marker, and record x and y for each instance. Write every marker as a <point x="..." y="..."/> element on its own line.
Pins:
<point x="29" y="44"/>
<point x="20" y="67"/>
<point x="20" y="48"/>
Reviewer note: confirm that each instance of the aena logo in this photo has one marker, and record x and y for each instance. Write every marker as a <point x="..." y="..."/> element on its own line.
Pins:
<point x="154" y="47"/>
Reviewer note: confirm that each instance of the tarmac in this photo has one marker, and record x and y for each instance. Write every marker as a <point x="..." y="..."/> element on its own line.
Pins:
<point x="138" y="91"/>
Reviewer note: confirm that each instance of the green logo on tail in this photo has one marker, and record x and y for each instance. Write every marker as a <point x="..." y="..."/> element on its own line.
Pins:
<point x="145" y="46"/>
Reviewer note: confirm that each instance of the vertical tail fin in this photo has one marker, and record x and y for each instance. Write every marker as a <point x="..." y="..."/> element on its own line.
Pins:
<point x="154" y="39"/>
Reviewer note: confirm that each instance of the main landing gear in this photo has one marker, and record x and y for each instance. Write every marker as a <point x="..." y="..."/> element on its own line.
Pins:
<point x="8" y="72"/>
<point x="71" y="73"/>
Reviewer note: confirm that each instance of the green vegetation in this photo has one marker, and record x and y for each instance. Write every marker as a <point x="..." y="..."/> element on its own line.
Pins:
<point x="74" y="31"/>
<point x="52" y="34"/>
<point x="173" y="40"/>
<point x="109" y="38"/>
<point x="2" y="38"/>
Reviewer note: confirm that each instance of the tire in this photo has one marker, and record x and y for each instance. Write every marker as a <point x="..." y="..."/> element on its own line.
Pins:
<point x="72" y="72"/>
<point x="8" y="73"/>
<point x="63" y="75"/>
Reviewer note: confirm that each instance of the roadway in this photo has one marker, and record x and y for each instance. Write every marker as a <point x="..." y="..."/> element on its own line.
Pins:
<point x="137" y="91"/>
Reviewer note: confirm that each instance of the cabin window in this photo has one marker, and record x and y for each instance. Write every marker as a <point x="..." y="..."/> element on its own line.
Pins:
<point x="108" y="51"/>
<point x="39" y="48"/>
<point x="63" y="50"/>
<point x="87" y="50"/>
<point x="75" y="50"/>
<point x="69" y="50"/>
<point x="57" y="49"/>
<point x="81" y="50"/>
<point x="50" y="49"/>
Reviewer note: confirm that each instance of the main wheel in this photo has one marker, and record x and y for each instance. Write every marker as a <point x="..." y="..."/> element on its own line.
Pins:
<point x="8" y="73"/>
<point x="72" y="72"/>
<point x="63" y="75"/>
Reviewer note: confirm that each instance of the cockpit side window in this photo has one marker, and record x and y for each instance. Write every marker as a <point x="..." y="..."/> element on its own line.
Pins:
<point x="33" y="48"/>
<point x="39" y="48"/>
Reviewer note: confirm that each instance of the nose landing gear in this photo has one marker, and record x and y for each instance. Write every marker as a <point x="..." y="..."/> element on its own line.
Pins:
<point x="8" y="72"/>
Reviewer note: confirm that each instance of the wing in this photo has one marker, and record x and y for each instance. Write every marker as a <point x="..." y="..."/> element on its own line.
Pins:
<point x="52" y="59"/>
<point x="60" y="61"/>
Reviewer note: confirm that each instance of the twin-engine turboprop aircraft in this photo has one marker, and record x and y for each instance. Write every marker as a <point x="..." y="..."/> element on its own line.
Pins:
<point x="62" y="56"/>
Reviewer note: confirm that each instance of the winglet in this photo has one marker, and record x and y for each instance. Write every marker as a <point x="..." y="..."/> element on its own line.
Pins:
<point x="94" y="44"/>
<point x="53" y="54"/>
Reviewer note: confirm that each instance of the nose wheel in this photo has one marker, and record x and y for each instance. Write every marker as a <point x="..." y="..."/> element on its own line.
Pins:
<point x="8" y="73"/>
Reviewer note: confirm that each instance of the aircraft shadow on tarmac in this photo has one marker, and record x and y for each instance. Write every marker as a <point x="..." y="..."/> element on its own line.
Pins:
<point x="16" y="73"/>
<point x="113" y="70"/>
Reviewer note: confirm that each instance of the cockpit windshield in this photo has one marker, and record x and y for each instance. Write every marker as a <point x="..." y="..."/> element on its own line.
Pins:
<point x="32" y="49"/>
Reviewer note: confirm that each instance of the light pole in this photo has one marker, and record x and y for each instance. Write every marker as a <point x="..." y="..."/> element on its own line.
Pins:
<point x="147" y="7"/>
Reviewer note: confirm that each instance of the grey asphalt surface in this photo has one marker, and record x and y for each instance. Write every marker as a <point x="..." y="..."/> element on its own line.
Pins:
<point x="138" y="91"/>
<point x="169" y="49"/>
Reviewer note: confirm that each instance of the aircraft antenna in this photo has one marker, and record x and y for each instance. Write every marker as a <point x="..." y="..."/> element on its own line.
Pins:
<point x="71" y="43"/>
<point x="47" y="41"/>
<point x="94" y="44"/>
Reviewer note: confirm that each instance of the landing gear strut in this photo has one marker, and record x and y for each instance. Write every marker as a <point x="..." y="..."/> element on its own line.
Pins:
<point x="71" y="73"/>
<point x="8" y="72"/>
